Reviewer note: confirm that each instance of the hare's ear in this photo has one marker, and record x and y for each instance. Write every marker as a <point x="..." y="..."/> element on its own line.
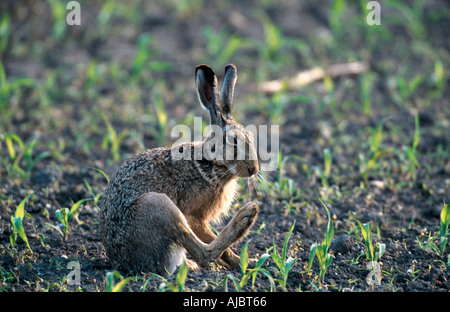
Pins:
<point x="208" y="94"/>
<point x="227" y="90"/>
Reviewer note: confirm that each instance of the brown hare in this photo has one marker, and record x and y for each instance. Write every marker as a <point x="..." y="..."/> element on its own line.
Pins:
<point x="158" y="206"/>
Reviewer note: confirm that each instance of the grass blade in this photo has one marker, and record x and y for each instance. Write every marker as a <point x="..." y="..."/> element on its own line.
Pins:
<point x="312" y="254"/>
<point x="75" y="207"/>
<point x="445" y="220"/>
<point x="20" y="211"/>
<point x="244" y="258"/>
<point x="104" y="174"/>
<point x="18" y="229"/>
<point x="286" y="241"/>
<point x="181" y="276"/>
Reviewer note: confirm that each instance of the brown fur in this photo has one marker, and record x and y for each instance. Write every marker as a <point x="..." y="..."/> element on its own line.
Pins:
<point x="155" y="203"/>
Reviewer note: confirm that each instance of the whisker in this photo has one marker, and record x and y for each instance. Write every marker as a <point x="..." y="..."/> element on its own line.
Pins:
<point x="263" y="178"/>
<point x="256" y="185"/>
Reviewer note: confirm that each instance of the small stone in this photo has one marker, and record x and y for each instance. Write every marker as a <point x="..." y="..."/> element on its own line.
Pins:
<point x="44" y="177"/>
<point x="342" y="244"/>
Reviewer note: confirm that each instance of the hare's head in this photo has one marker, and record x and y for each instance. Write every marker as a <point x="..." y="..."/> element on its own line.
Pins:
<point x="229" y="145"/>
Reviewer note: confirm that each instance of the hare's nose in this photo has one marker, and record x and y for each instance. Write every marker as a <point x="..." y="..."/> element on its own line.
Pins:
<point x="251" y="170"/>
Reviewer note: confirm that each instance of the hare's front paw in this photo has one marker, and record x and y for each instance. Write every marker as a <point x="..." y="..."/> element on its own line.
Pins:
<point x="246" y="216"/>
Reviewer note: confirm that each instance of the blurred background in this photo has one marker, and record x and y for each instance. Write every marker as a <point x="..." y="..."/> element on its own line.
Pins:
<point x="119" y="81"/>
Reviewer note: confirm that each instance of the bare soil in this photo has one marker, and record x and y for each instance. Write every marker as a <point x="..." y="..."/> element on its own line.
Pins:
<point x="402" y="208"/>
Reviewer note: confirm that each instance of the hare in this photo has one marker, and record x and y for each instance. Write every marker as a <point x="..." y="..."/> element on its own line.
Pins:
<point x="156" y="207"/>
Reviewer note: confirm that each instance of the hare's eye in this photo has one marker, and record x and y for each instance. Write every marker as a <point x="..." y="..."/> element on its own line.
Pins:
<point x="232" y="140"/>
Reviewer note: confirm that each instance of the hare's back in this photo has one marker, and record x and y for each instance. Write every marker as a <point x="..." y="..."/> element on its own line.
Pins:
<point x="139" y="174"/>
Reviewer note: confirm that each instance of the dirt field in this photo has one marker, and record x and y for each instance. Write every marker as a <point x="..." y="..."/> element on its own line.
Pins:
<point x="375" y="146"/>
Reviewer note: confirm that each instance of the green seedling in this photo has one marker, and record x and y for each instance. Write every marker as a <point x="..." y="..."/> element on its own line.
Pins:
<point x="438" y="77"/>
<point x="59" y="18"/>
<point x="402" y="90"/>
<point x="5" y="32"/>
<point x="444" y="227"/>
<point x="283" y="263"/>
<point x="412" y="14"/>
<point x="112" y="139"/>
<point x="64" y="216"/>
<point x="221" y="45"/>
<point x="429" y="243"/>
<point x="143" y="58"/>
<point x="162" y="287"/>
<point x="159" y="115"/>
<point x="325" y="173"/>
<point x="17" y="224"/>
<point x="261" y="227"/>
<point x="8" y="87"/>
<point x="273" y="49"/>
<point x="174" y="283"/>
<point x="95" y="196"/>
<point x="106" y="12"/>
<point x="329" y="100"/>
<point x="111" y="285"/>
<point x="23" y="152"/>
<point x="185" y="8"/>
<point x="247" y="273"/>
<point x="287" y="189"/>
<point x="366" y="82"/>
<point x="284" y="186"/>
<point x="31" y="161"/>
<point x="320" y="251"/>
<point x="274" y="41"/>
<point x="93" y="77"/>
<point x="375" y="152"/>
<point x="372" y="253"/>
<point x="276" y="105"/>
<point x="180" y="279"/>
<point x="12" y="139"/>
<point x="166" y="283"/>
<point x="439" y="243"/>
<point x="142" y="55"/>
<point x="409" y="153"/>
<point x="103" y="173"/>
<point x="337" y="10"/>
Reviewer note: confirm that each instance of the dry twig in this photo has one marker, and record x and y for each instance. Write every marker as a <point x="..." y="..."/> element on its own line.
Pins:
<point x="311" y="75"/>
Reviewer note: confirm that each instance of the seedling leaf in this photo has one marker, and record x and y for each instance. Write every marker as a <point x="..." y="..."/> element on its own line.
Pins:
<point x="312" y="254"/>
<point x="75" y="207"/>
<point x="181" y="276"/>
<point x="445" y="219"/>
<point x="244" y="258"/>
<point x="20" y="211"/>
<point x="18" y="229"/>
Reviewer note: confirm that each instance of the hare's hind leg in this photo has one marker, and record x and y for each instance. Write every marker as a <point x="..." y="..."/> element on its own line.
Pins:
<point x="156" y="243"/>
<point x="201" y="228"/>
<point x="235" y="230"/>
<point x="161" y="220"/>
